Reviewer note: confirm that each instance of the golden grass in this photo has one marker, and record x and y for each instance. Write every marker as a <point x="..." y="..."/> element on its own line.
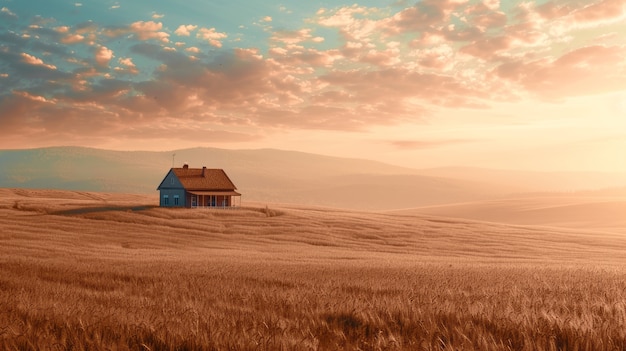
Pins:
<point x="597" y="213"/>
<point x="87" y="271"/>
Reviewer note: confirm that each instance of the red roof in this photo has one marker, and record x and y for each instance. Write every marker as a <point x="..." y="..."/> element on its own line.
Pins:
<point x="204" y="179"/>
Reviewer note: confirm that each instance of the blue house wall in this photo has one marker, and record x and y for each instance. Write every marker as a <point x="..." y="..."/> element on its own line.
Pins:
<point x="172" y="193"/>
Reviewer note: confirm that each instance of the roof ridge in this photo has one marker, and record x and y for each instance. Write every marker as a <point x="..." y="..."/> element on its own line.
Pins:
<point x="213" y="179"/>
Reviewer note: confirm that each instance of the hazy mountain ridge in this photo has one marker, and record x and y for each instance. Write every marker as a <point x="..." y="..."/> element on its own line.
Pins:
<point x="535" y="181"/>
<point x="277" y="176"/>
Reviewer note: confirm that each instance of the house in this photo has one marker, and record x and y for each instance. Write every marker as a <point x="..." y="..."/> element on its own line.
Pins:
<point x="198" y="187"/>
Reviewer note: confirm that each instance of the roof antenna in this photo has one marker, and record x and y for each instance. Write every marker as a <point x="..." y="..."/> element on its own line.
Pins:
<point x="173" y="158"/>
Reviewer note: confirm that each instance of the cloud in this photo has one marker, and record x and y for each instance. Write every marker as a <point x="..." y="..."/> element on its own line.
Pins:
<point x="492" y="4"/>
<point x="32" y="60"/>
<point x="298" y="59"/>
<point x="185" y="30"/>
<point x="157" y="15"/>
<point x="425" y="15"/>
<point x="62" y="29"/>
<point x="379" y="66"/>
<point x="292" y="37"/>
<point x="31" y="97"/>
<point x="103" y="56"/>
<point x="566" y="16"/>
<point x="128" y="62"/>
<point x="72" y="39"/>
<point x="212" y="36"/>
<point x="587" y="70"/>
<point x="142" y="30"/>
<point x="149" y="30"/>
<point x="485" y="16"/>
<point x="601" y="11"/>
<point x="353" y="21"/>
<point x="404" y="88"/>
<point x="128" y="66"/>
<point x="441" y="58"/>
<point x="7" y="14"/>
<point x="487" y="48"/>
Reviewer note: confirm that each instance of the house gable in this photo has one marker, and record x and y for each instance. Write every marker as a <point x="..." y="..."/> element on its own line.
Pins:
<point x="170" y="181"/>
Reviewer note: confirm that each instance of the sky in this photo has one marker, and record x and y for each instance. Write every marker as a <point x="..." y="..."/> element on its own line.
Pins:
<point x="532" y="85"/>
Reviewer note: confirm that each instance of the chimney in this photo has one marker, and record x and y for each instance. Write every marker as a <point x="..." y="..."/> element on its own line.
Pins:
<point x="203" y="170"/>
<point x="185" y="166"/>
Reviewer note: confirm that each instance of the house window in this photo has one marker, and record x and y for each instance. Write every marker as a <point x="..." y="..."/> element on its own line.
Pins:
<point x="175" y="200"/>
<point x="172" y="180"/>
<point x="166" y="200"/>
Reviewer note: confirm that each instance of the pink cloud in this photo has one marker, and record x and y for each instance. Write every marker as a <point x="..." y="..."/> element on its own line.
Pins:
<point x="387" y="57"/>
<point x="92" y="121"/>
<point x="32" y="97"/>
<point x="424" y="15"/>
<point x="441" y="58"/>
<point x="149" y="30"/>
<point x="583" y="14"/>
<point x="352" y="21"/>
<point x="293" y="37"/>
<point x="484" y="17"/>
<point x="128" y="66"/>
<point x="606" y="10"/>
<point x="299" y="59"/>
<point x="583" y="71"/>
<point x="385" y="69"/>
<point x="212" y="36"/>
<point x="32" y="60"/>
<point x="72" y="39"/>
<point x="62" y="29"/>
<point x="487" y="48"/>
<point x="128" y="62"/>
<point x="142" y="30"/>
<point x="401" y="87"/>
<point x="185" y="30"/>
<point x="103" y="56"/>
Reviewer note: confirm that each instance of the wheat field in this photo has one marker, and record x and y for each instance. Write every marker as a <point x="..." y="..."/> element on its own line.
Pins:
<point x="95" y="271"/>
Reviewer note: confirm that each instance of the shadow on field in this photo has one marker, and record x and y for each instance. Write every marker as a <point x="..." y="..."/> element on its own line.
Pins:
<point x="86" y="210"/>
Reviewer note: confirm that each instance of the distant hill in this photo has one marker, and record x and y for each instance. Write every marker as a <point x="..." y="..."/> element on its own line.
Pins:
<point x="534" y="181"/>
<point x="602" y="213"/>
<point x="261" y="175"/>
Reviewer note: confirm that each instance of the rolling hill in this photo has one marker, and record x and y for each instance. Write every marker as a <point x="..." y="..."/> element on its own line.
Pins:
<point x="95" y="271"/>
<point x="282" y="176"/>
<point x="607" y="214"/>
<point x="78" y="222"/>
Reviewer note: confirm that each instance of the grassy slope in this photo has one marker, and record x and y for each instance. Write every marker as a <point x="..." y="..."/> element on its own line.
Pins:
<point x="593" y="213"/>
<point x="97" y="271"/>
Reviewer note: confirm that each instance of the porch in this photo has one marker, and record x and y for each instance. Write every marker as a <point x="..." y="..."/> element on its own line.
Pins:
<point x="214" y="199"/>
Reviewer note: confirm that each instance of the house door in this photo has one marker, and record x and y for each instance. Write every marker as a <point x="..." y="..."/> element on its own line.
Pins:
<point x="194" y="201"/>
